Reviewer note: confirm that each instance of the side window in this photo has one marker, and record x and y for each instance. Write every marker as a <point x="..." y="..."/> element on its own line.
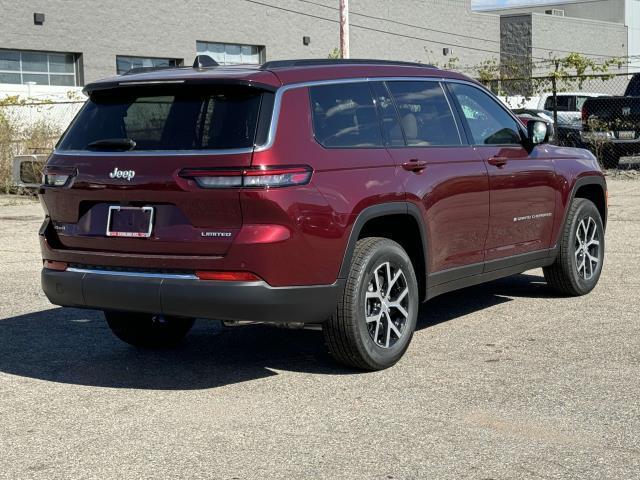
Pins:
<point x="489" y="123"/>
<point x="344" y="116"/>
<point x="425" y="115"/>
<point x="564" y="103"/>
<point x="391" y="130"/>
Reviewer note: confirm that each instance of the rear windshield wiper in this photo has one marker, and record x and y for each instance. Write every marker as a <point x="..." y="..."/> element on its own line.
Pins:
<point x="119" y="144"/>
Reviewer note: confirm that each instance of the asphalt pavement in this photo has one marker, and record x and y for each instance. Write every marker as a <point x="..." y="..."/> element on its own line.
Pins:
<point x="502" y="381"/>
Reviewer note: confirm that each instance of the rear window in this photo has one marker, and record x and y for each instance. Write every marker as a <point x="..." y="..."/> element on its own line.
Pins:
<point x="564" y="103"/>
<point x="167" y="118"/>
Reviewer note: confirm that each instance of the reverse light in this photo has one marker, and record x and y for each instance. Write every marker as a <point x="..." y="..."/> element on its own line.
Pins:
<point x="228" y="276"/>
<point x="57" y="176"/>
<point x="277" y="177"/>
<point x="261" y="177"/>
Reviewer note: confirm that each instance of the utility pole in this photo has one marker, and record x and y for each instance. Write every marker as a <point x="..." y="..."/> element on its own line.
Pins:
<point x="344" y="28"/>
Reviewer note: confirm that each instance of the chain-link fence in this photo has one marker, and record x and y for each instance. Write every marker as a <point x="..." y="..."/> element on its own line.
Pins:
<point x="597" y="112"/>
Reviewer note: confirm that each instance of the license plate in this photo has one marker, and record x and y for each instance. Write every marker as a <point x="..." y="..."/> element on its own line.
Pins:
<point x="129" y="221"/>
<point x="627" y="135"/>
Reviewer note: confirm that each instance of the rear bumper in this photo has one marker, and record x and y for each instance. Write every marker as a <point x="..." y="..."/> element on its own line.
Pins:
<point x="184" y="295"/>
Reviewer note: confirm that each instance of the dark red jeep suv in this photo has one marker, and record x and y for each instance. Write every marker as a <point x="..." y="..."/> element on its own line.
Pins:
<point x="338" y="193"/>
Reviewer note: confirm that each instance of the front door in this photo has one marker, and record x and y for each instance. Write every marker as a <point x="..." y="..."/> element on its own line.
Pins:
<point x="440" y="173"/>
<point x="522" y="182"/>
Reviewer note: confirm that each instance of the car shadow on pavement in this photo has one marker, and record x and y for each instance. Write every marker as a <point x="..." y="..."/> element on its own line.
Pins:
<point x="75" y="346"/>
<point x="462" y="302"/>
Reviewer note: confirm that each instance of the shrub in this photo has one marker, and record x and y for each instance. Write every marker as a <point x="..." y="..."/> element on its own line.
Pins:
<point x="21" y="136"/>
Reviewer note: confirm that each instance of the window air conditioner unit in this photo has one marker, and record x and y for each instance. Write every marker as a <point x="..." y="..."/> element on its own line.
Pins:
<point x="27" y="170"/>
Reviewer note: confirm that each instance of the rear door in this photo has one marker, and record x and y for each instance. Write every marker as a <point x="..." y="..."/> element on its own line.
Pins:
<point x="128" y="150"/>
<point x="440" y="172"/>
<point x="522" y="182"/>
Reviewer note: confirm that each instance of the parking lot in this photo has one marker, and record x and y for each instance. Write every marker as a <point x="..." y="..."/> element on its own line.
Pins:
<point x="502" y="381"/>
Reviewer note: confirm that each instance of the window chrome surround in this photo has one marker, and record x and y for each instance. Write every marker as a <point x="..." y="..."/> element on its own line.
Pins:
<point x="281" y="91"/>
<point x="275" y="116"/>
<point x="171" y="276"/>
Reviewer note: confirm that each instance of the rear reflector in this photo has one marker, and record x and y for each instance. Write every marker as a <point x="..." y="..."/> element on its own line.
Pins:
<point x="251" y="234"/>
<point x="53" y="265"/>
<point x="260" y="177"/>
<point x="228" y="276"/>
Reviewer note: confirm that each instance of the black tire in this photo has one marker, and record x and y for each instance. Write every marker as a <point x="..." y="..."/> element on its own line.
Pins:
<point x="348" y="335"/>
<point x="565" y="274"/>
<point x="148" y="330"/>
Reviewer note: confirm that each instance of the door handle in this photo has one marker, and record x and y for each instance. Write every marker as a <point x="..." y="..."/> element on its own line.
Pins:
<point x="497" y="161"/>
<point x="414" y="165"/>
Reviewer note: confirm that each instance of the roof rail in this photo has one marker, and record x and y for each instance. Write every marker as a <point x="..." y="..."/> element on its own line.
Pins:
<point x="337" y="61"/>
<point x="204" y="61"/>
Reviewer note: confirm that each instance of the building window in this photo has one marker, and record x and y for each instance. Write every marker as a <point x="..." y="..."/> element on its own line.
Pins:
<point x="42" y="68"/>
<point x="231" y="54"/>
<point x="124" y="64"/>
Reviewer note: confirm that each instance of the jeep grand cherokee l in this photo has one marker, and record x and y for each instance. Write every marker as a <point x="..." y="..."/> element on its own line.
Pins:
<point x="319" y="192"/>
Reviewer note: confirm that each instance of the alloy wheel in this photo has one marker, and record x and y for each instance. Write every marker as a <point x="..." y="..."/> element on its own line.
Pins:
<point x="587" y="248"/>
<point x="387" y="304"/>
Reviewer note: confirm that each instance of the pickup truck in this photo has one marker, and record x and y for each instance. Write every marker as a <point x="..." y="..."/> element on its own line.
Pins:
<point x="611" y="125"/>
<point x="569" y="103"/>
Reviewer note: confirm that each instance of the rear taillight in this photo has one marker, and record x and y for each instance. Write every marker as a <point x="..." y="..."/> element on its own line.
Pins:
<point x="259" y="177"/>
<point x="228" y="276"/>
<point x="57" y="176"/>
<point x="585" y="116"/>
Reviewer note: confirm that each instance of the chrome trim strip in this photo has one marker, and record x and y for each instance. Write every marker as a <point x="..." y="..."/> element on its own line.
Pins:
<point x="282" y="90"/>
<point x="153" y="153"/>
<point x="168" y="276"/>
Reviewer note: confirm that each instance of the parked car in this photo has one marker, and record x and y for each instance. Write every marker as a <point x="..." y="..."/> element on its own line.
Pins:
<point x="545" y="115"/>
<point x="569" y="104"/>
<point x="611" y="125"/>
<point x="566" y="133"/>
<point x="336" y="193"/>
<point x="569" y="134"/>
<point x="525" y="115"/>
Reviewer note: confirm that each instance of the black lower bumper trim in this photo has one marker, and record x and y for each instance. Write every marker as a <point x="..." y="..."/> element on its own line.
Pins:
<point x="229" y="301"/>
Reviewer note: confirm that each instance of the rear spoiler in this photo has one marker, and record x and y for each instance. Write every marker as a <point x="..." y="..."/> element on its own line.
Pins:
<point x="124" y="83"/>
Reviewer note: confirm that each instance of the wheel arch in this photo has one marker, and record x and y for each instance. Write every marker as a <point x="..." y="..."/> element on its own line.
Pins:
<point x="379" y="221"/>
<point x="595" y="190"/>
<point x="589" y="186"/>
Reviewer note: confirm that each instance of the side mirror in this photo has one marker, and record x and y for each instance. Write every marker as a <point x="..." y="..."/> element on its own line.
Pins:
<point x="538" y="132"/>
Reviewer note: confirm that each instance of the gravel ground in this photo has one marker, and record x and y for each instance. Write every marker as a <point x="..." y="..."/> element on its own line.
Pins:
<point x="501" y="381"/>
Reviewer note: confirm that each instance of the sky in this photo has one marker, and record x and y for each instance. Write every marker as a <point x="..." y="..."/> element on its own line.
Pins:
<point x="481" y="4"/>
